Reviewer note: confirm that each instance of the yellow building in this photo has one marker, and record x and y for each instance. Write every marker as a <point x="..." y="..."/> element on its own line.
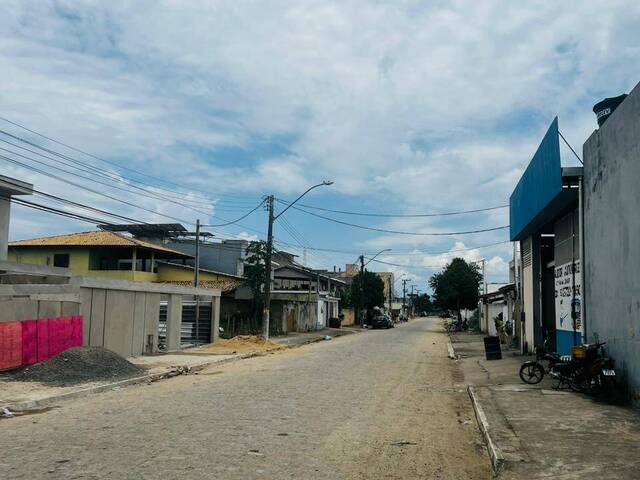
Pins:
<point x="113" y="255"/>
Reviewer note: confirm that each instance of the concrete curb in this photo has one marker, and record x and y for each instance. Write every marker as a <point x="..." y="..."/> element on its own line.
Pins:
<point x="450" y="349"/>
<point x="154" y="377"/>
<point x="495" y="454"/>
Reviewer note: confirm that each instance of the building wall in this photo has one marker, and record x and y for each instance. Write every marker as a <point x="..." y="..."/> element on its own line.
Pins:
<point x="612" y="229"/>
<point x="78" y="257"/>
<point x="226" y="257"/>
<point x="528" y="285"/>
<point x="173" y="273"/>
<point x="567" y="283"/>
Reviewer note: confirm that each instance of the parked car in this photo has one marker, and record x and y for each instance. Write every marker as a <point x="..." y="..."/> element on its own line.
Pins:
<point x="381" y="321"/>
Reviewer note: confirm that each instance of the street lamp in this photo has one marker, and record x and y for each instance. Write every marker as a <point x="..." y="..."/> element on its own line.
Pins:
<point x="362" y="265"/>
<point x="267" y="286"/>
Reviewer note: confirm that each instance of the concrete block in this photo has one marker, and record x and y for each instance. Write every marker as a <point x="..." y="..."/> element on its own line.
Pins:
<point x="151" y="319"/>
<point x="70" y="309"/>
<point x="48" y="308"/>
<point x="96" y="326"/>
<point x="215" y="319"/>
<point x="18" y="309"/>
<point x="174" y="322"/>
<point x="85" y="311"/>
<point x="118" y="321"/>
<point x="137" y="338"/>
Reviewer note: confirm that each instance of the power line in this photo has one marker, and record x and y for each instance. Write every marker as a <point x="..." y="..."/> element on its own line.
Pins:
<point x="397" y="215"/>
<point x="110" y="162"/>
<point x="397" y="232"/>
<point x="51" y="175"/>
<point x="238" y="219"/>
<point x="147" y="195"/>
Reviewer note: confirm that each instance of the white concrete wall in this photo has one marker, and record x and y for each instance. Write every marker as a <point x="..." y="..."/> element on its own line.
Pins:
<point x="611" y="235"/>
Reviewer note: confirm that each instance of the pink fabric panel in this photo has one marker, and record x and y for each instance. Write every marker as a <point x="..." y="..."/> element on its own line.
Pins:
<point x="43" y="339"/>
<point x="56" y="335"/>
<point x="77" y="334"/>
<point x="29" y="342"/>
<point x="10" y="345"/>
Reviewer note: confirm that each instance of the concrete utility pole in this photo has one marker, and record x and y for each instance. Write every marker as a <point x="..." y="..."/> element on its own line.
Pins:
<point x="361" y="291"/>
<point x="267" y="283"/>
<point x="267" y="267"/>
<point x="404" y="295"/>
<point x="196" y="280"/>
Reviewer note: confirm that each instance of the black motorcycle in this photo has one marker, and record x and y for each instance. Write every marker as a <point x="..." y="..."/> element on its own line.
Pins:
<point x="588" y="371"/>
<point x="560" y="367"/>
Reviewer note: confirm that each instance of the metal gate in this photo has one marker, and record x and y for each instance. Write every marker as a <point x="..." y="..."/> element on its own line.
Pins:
<point x="188" y="326"/>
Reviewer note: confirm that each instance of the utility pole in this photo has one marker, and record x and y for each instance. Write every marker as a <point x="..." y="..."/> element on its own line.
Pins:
<point x="361" y="290"/>
<point x="267" y="283"/>
<point x="196" y="280"/>
<point x="267" y="266"/>
<point x="404" y="295"/>
<point x="412" y="300"/>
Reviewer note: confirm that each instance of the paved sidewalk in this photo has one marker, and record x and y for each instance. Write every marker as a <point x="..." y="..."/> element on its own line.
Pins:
<point x="538" y="432"/>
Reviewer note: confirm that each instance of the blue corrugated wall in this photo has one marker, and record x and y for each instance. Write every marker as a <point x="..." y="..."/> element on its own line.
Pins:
<point x="539" y="185"/>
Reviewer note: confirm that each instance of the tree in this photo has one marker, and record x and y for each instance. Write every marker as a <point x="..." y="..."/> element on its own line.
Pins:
<point x="422" y="303"/>
<point x="372" y="292"/>
<point x="456" y="287"/>
<point x="255" y="272"/>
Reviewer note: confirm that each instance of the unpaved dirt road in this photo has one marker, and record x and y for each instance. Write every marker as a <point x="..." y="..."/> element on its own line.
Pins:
<point x="377" y="405"/>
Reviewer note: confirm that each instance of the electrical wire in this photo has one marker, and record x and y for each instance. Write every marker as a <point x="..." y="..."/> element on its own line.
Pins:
<point x="232" y="222"/>
<point x="109" y="162"/>
<point x="397" y="232"/>
<point x="396" y="215"/>
<point x="69" y="182"/>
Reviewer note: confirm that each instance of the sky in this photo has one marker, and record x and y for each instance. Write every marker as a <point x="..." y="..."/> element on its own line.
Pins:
<point x="198" y="109"/>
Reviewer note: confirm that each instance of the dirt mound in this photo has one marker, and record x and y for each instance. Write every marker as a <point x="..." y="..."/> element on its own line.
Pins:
<point x="79" y="365"/>
<point x="243" y="343"/>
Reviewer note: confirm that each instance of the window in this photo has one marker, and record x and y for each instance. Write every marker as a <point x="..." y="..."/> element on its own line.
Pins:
<point x="61" y="260"/>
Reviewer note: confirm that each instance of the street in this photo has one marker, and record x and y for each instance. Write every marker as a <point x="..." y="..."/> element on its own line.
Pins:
<point x="381" y="404"/>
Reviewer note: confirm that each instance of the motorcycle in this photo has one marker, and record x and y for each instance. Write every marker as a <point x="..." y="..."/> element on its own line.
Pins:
<point x="586" y="370"/>
<point x="559" y="367"/>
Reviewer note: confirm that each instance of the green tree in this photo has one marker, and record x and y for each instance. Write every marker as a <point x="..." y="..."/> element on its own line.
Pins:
<point x="456" y="287"/>
<point x="422" y="303"/>
<point x="255" y="272"/>
<point x="372" y="292"/>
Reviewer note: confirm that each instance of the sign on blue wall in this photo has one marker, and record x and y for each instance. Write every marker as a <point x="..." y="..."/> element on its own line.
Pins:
<point x="539" y="185"/>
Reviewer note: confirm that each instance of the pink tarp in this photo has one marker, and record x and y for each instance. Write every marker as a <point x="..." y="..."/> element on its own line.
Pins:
<point x="10" y="345"/>
<point x="31" y="341"/>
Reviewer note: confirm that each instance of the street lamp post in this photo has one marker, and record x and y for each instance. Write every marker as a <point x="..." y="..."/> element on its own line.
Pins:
<point x="267" y="284"/>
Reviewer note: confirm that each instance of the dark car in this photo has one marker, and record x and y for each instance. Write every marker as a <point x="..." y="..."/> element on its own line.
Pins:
<point x="381" y="321"/>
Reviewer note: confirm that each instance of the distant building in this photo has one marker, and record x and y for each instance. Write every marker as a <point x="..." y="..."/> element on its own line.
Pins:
<point x="351" y="270"/>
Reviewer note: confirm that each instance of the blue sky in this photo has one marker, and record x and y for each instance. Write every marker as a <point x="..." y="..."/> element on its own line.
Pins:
<point x="407" y="107"/>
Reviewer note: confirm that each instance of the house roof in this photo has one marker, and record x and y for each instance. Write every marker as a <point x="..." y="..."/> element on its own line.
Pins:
<point x="95" y="239"/>
<point x="191" y="267"/>
<point x="224" y="285"/>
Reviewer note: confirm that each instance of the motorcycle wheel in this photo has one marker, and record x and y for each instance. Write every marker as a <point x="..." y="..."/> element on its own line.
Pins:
<point x="531" y="373"/>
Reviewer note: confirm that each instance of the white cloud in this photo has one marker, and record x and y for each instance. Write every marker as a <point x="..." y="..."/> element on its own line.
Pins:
<point x="415" y="107"/>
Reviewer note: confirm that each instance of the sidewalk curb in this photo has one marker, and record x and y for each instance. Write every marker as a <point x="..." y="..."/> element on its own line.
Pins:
<point x="154" y="377"/>
<point x="495" y="454"/>
<point x="452" y="353"/>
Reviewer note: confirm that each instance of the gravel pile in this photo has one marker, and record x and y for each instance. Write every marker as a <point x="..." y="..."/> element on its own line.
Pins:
<point x="79" y="365"/>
